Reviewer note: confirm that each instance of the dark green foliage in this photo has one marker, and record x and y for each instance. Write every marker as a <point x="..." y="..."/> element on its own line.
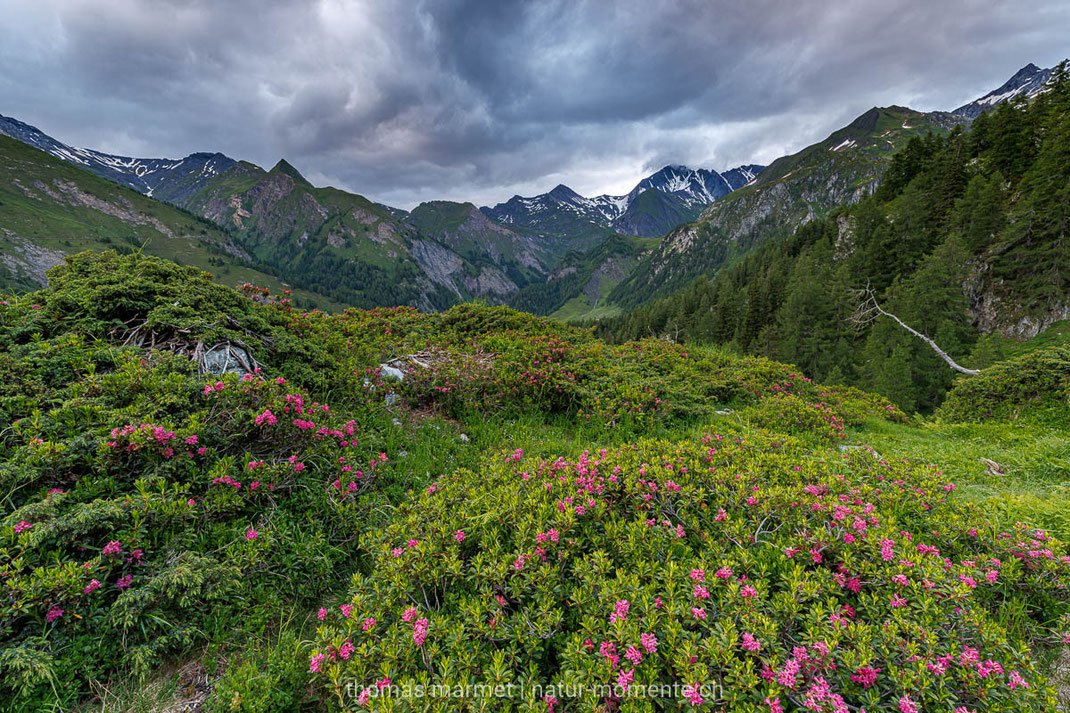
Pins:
<point x="1035" y="384"/>
<point x="977" y="216"/>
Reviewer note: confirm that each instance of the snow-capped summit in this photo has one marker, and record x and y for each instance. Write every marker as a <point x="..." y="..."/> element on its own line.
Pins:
<point x="164" y="178"/>
<point x="1027" y="82"/>
<point x="696" y="186"/>
<point x="659" y="202"/>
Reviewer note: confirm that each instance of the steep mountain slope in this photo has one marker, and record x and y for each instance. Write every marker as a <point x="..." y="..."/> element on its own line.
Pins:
<point x="341" y="243"/>
<point x="562" y="215"/>
<point x="696" y="187"/>
<point x="328" y="240"/>
<point x="1026" y="83"/>
<point x="167" y="179"/>
<point x="840" y="170"/>
<point x="657" y="204"/>
<point x="577" y="289"/>
<point x="792" y="190"/>
<point x="49" y="208"/>
<point x="515" y="257"/>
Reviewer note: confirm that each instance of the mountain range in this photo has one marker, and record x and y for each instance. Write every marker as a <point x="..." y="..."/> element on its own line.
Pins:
<point x="557" y="252"/>
<point x="354" y="251"/>
<point x="166" y="179"/>
<point x="658" y="203"/>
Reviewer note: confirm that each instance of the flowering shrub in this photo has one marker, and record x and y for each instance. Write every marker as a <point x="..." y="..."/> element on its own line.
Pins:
<point x="786" y="413"/>
<point x="149" y="509"/>
<point x="749" y="575"/>
<point x="494" y="361"/>
<point x="145" y="505"/>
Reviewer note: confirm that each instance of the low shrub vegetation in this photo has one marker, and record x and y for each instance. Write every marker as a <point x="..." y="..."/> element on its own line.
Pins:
<point x="1036" y="384"/>
<point x="383" y="498"/>
<point x="739" y="573"/>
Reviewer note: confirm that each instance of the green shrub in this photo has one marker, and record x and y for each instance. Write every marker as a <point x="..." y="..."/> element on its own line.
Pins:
<point x="269" y="679"/>
<point x="1035" y="383"/>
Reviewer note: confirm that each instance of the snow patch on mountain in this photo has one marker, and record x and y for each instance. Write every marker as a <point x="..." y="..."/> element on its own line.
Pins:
<point x="690" y="191"/>
<point x="171" y="177"/>
<point x="1026" y="83"/>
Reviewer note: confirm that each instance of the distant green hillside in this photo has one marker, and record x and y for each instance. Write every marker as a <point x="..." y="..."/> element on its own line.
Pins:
<point x="840" y="170"/>
<point x="50" y="208"/>
<point x="578" y="288"/>
<point x="340" y="243"/>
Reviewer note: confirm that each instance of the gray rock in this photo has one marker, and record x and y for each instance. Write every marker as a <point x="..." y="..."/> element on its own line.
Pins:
<point x="227" y="359"/>
<point x="861" y="448"/>
<point x="391" y="373"/>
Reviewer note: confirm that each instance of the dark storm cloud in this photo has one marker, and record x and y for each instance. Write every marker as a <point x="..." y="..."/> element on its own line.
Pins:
<point x="477" y="99"/>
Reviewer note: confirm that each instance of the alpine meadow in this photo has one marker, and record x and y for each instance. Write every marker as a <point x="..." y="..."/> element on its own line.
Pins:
<point x="791" y="433"/>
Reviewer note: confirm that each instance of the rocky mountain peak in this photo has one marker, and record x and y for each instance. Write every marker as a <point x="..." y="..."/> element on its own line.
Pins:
<point x="286" y="168"/>
<point x="1027" y="82"/>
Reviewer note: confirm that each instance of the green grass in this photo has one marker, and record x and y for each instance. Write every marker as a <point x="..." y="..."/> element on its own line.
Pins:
<point x="577" y="309"/>
<point x="1034" y="486"/>
<point x="1056" y="335"/>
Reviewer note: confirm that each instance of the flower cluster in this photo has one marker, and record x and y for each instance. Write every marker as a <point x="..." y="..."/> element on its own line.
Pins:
<point x="795" y="554"/>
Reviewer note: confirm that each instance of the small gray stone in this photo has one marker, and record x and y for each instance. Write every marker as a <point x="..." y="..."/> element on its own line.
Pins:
<point x="463" y="438"/>
<point x="391" y="373"/>
<point x="227" y="359"/>
<point x="861" y="448"/>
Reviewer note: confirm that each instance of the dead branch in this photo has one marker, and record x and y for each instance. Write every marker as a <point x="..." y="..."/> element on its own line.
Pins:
<point x="869" y="309"/>
<point x="435" y="358"/>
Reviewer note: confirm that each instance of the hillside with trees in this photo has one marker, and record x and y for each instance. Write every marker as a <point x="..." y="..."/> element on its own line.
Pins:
<point x="965" y="241"/>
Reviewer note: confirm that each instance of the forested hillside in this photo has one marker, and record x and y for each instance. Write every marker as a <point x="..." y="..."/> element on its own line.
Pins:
<point x="966" y="241"/>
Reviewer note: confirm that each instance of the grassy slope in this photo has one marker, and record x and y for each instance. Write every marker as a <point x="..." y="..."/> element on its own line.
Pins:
<point x="1032" y="481"/>
<point x="56" y="225"/>
<point x="1034" y="486"/>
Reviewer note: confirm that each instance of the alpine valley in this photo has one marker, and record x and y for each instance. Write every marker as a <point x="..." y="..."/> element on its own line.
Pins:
<point x="555" y="253"/>
<point x="770" y="439"/>
<point x="337" y="247"/>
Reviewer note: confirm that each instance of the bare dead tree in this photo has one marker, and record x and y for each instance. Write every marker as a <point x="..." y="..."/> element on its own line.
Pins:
<point x="869" y="309"/>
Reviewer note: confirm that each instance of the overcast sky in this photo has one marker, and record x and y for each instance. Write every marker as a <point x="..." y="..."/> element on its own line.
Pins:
<point x="412" y="100"/>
